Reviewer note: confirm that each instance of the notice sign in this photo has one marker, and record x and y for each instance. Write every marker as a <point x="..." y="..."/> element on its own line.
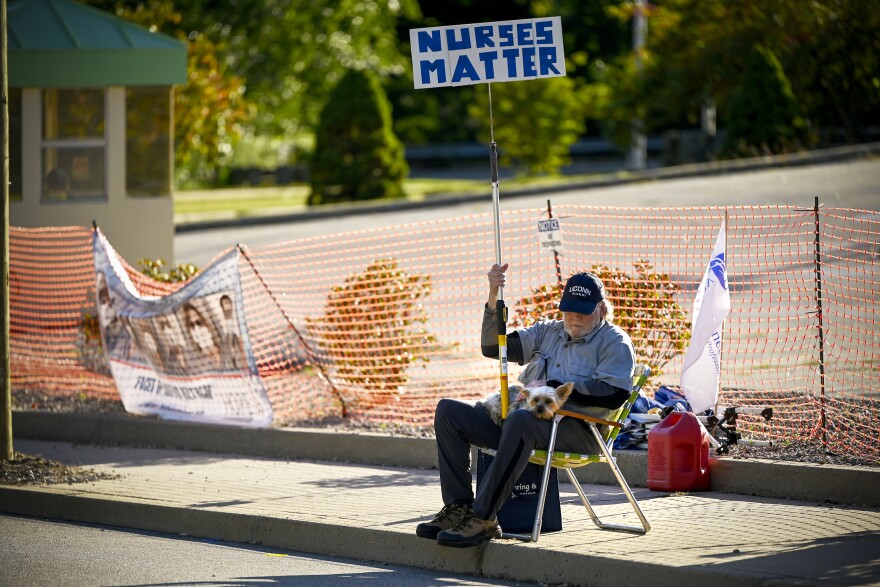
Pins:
<point x="550" y="235"/>
<point x="504" y="51"/>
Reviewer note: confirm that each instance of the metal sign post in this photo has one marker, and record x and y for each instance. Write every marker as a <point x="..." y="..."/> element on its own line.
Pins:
<point x="500" y="307"/>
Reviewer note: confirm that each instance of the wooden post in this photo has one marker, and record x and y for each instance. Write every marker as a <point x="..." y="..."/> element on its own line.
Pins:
<point x="6" y="451"/>
<point x="823" y="423"/>
<point x="555" y="252"/>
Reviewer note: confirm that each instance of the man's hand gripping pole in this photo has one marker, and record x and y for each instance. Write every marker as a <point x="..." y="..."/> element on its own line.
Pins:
<point x="500" y="308"/>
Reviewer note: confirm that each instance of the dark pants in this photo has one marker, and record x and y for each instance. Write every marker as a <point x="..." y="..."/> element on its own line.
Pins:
<point x="458" y="425"/>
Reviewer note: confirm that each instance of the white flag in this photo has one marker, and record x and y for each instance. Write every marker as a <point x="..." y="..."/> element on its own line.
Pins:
<point x="702" y="363"/>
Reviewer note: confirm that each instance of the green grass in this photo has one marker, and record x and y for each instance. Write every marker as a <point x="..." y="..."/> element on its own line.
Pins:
<point x="419" y="188"/>
<point x="239" y="199"/>
<point x="248" y="201"/>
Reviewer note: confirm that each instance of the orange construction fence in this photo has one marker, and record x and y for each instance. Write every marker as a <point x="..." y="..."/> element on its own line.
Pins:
<point x="377" y="325"/>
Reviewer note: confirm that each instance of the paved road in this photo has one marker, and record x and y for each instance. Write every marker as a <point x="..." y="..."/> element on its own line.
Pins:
<point x="40" y="552"/>
<point x="854" y="184"/>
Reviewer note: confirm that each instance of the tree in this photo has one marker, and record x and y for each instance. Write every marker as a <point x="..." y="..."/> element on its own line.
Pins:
<point x="210" y="112"/>
<point x="292" y="53"/>
<point x="438" y="115"/>
<point x="763" y="113"/>
<point x="592" y="32"/>
<point x="535" y="121"/>
<point x="210" y="109"/>
<point x="357" y="155"/>
<point x="264" y="67"/>
<point x="698" y="51"/>
<point x="838" y="65"/>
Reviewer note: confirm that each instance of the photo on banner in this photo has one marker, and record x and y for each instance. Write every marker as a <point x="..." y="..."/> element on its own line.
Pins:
<point x="185" y="356"/>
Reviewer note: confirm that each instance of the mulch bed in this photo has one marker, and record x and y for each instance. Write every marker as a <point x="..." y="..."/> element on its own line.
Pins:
<point x="803" y="451"/>
<point x="35" y="470"/>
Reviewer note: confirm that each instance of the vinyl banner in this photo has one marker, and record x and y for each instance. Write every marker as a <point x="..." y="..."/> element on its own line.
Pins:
<point x="504" y="51"/>
<point x="185" y="356"/>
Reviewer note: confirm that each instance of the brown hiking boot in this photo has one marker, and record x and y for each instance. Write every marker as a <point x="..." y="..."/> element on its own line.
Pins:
<point x="444" y="520"/>
<point x="469" y="531"/>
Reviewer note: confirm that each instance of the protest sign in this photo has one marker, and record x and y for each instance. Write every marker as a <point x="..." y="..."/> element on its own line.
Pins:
<point x="503" y="51"/>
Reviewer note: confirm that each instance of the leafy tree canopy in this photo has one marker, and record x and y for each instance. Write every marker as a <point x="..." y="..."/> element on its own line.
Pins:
<point x="698" y="51"/>
<point x="264" y="68"/>
<point x="210" y="108"/>
<point x="293" y="52"/>
<point x="535" y="122"/>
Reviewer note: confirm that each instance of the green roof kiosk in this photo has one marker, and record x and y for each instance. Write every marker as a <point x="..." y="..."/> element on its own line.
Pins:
<point x="91" y="124"/>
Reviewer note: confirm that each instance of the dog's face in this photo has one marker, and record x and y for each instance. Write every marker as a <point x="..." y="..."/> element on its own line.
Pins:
<point x="545" y="401"/>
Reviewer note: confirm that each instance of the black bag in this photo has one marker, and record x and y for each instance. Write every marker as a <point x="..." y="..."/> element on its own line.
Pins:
<point x="517" y="514"/>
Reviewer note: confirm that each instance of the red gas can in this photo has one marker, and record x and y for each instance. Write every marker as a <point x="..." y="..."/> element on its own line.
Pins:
<point x="678" y="454"/>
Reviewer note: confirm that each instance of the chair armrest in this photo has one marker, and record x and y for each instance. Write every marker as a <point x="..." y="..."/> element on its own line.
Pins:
<point x="589" y="418"/>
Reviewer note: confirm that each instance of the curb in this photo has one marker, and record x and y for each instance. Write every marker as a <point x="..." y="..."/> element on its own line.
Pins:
<point x="759" y="477"/>
<point x="497" y="559"/>
<point x="832" y="155"/>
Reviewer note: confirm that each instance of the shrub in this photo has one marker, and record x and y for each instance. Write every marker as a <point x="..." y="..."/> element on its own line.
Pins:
<point x="644" y="307"/>
<point x="89" y="347"/>
<point x="763" y="114"/>
<point x="372" y="329"/>
<point x="154" y="269"/>
<point x="357" y="155"/>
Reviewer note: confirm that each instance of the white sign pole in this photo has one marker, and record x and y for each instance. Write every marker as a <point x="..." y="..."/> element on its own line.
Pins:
<point x="500" y="307"/>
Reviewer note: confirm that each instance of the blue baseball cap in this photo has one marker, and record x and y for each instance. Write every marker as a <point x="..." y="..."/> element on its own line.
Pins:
<point x="582" y="294"/>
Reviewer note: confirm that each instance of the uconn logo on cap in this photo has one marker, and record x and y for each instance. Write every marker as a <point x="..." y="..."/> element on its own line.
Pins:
<point x="580" y="290"/>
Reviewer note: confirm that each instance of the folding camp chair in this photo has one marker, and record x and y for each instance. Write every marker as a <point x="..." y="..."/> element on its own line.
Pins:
<point x="569" y="461"/>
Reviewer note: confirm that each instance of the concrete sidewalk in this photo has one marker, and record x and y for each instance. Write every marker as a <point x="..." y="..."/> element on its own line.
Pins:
<point x="766" y="478"/>
<point x="369" y="512"/>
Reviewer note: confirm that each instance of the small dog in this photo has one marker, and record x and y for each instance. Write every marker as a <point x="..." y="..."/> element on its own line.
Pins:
<point x="541" y="401"/>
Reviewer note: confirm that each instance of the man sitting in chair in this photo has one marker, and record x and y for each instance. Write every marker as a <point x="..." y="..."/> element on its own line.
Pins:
<point x="583" y="347"/>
